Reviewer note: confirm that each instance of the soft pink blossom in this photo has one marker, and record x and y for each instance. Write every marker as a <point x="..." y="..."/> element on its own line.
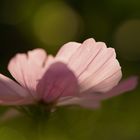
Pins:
<point x="80" y="74"/>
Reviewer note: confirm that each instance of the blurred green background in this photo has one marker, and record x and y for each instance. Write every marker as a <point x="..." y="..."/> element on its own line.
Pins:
<point x="28" y="24"/>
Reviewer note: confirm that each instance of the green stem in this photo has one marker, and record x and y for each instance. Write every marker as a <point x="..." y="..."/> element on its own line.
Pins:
<point x="41" y="125"/>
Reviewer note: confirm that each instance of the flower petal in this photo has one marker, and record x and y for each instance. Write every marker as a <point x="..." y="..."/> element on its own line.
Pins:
<point x="67" y="50"/>
<point x="28" y="69"/>
<point x="58" y="81"/>
<point x="103" y="69"/>
<point x="82" y="102"/>
<point x="94" y="65"/>
<point x="83" y="56"/>
<point x="93" y="101"/>
<point x="124" y="86"/>
<point x="11" y="93"/>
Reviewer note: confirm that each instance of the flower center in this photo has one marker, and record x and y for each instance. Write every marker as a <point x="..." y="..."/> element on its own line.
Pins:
<point x="39" y="110"/>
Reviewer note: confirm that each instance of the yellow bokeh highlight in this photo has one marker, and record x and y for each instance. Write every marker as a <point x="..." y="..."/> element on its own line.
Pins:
<point x="56" y="23"/>
<point x="127" y="40"/>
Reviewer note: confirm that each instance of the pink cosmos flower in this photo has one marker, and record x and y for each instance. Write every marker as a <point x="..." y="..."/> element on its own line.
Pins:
<point x="80" y="74"/>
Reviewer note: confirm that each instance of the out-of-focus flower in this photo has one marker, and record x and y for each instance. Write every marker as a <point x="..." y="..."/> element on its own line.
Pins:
<point x="80" y="74"/>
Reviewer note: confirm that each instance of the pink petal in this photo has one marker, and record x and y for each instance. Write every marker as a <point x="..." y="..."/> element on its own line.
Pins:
<point x="94" y="65"/>
<point x="93" y="100"/>
<point x="124" y="86"/>
<point x="12" y="94"/>
<point x="67" y="51"/>
<point x="103" y="69"/>
<point x="27" y="69"/>
<point x="83" y="56"/>
<point x="90" y="104"/>
<point x="57" y="82"/>
<point x="83" y="102"/>
<point x="9" y="115"/>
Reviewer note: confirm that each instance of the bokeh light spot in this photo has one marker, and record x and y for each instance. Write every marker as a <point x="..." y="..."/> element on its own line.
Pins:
<point x="127" y="40"/>
<point x="56" y="23"/>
